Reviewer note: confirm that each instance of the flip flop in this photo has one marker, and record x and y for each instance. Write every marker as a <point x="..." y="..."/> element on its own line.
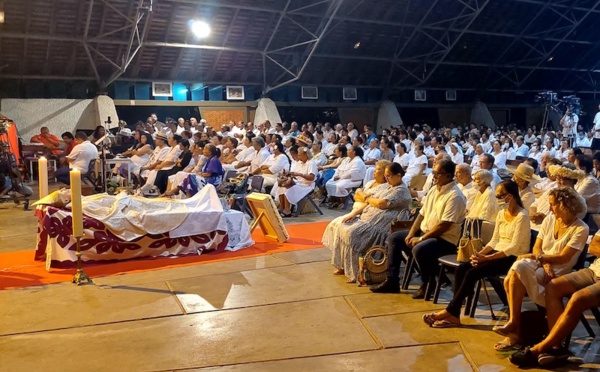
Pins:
<point x="443" y="323"/>
<point x="502" y="331"/>
<point x="428" y="319"/>
<point x="507" y="346"/>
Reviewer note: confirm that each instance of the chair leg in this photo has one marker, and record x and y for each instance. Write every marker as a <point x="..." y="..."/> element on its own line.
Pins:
<point x="487" y="298"/>
<point x="310" y="199"/>
<point x="587" y="326"/>
<point x="429" y="289"/>
<point x="474" y="300"/>
<point x="408" y="271"/>
<point x="438" y="285"/>
<point x="596" y="313"/>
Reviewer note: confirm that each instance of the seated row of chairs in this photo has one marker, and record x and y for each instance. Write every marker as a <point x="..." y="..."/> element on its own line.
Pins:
<point x="449" y="263"/>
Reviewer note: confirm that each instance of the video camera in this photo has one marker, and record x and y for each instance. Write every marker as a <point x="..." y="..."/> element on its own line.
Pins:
<point x="551" y="100"/>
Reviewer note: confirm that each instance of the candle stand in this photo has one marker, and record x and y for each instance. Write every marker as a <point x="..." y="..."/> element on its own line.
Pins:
<point x="80" y="276"/>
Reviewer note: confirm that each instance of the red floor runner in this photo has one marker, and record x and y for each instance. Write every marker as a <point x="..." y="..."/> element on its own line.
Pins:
<point x="18" y="269"/>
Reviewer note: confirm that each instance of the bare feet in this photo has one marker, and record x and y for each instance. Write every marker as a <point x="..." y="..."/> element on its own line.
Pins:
<point x="339" y="272"/>
<point x="505" y="330"/>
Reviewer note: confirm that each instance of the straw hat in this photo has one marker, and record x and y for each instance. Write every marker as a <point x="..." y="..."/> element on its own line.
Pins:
<point x="524" y="172"/>
<point x="162" y="136"/>
<point x="303" y="138"/>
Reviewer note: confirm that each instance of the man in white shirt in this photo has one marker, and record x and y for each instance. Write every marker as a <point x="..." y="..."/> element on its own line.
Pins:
<point x="582" y="140"/>
<point x="238" y="130"/>
<point x="79" y="158"/>
<point x="434" y="233"/>
<point x="522" y="148"/>
<point x="569" y="124"/>
<point x="486" y="162"/>
<point x="352" y="132"/>
<point x="464" y="181"/>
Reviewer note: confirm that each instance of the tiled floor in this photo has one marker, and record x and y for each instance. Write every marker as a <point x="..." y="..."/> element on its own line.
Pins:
<point x="283" y="312"/>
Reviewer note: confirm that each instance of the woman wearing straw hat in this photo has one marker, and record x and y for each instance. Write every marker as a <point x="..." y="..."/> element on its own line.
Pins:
<point x="524" y="175"/>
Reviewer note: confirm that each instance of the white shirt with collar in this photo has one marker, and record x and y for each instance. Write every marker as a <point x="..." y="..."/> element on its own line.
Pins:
<point x="589" y="188"/>
<point x="469" y="192"/>
<point x="81" y="156"/>
<point x="597" y="125"/>
<point x="429" y="151"/>
<point x="523" y="150"/>
<point x="444" y="204"/>
<point x="527" y="197"/>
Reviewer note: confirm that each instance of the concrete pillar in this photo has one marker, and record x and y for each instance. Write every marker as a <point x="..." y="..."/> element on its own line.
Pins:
<point x="388" y="116"/>
<point x="480" y="115"/>
<point x="267" y="110"/>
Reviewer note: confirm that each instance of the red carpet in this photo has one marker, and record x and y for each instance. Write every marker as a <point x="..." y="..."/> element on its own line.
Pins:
<point x="18" y="269"/>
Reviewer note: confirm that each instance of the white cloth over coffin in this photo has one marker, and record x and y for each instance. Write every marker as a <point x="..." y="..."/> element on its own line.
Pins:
<point x="130" y="217"/>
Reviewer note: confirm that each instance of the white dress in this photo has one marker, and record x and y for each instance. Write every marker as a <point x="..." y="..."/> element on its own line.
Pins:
<point x="414" y="168"/>
<point x="302" y="187"/>
<point x="529" y="271"/>
<point x="351" y="173"/>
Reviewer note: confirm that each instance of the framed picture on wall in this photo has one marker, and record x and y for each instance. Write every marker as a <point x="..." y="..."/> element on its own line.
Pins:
<point x="162" y="89"/>
<point x="235" y="92"/>
<point x="420" y="95"/>
<point x="349" y="94"/>
<point x="450" y="95"/>
<point x="310" y="92"/>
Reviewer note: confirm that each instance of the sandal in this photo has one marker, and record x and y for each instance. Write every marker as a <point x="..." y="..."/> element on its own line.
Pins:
<point x="339" y="272"/>
<point x="351" y="281"/>
<point x="502" y="331"/>
<point x="283" y="215"/>
<point x="444" y="323"/>
<point x="428" y="319"/>
<point x="507" y="345"/>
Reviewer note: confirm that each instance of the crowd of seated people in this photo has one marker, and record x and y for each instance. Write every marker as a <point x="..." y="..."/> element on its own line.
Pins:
<point x="518" y="180"/>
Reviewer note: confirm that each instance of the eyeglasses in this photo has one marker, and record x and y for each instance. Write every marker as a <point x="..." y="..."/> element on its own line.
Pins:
<point x="502" y="196"/>
<point x="437" y="174"/>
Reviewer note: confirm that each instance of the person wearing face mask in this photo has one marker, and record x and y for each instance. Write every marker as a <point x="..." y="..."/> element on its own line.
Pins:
<point x="510" y="239"/>
<point x="484" y="205"/>
<point x="535" y="151"/>
<point x="582" y="140"/>
<point x="524" y="175"/>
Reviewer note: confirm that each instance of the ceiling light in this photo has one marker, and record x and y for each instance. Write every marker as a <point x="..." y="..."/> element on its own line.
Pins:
<point x="200" y="29"/>
<point x="550" y="59"/>
<point x="357" y="45"/>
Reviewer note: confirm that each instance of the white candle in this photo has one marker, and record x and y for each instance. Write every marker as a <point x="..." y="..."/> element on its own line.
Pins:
<point x="76" y="210"/>
<point x="43" y="177"/>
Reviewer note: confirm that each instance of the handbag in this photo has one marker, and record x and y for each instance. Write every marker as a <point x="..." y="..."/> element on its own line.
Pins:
<point x="372" y="266"/>
<point x="286" y="181"/>
<point x="471" y="241"/>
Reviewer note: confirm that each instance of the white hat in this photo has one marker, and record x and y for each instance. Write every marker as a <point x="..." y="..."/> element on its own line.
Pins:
<point x="126" y="132"/>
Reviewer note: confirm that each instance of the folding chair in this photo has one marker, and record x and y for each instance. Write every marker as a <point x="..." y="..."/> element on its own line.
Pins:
<point x="256" y="184"/>
<point x="307" y="199"/>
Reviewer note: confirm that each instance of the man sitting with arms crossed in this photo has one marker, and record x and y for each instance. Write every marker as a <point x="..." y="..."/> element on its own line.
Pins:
<point x="438" y="225"/>
<point x="50" y="141"/>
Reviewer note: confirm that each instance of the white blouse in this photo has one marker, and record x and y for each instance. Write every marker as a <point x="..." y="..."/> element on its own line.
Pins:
<point x="277" y="164"/>
<point x="575" y="237"/>
<point x="511" y="237"/>
<point x="485" y="206"/>
<point x="352" y="169"/>
<point x="414" y="165"/>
